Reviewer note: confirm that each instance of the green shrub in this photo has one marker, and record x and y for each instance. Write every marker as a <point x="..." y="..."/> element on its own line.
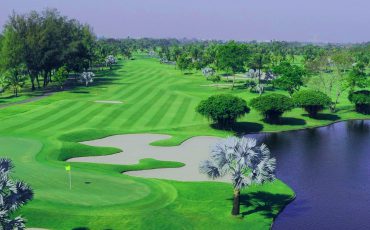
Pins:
<point x="272" y="106"/>
<point x="311" y="101"/>
<point x="223" y="109"/>
<point x="361" y="99"/>
<point x="214" y="78"/>
<point x="250" y="84"/>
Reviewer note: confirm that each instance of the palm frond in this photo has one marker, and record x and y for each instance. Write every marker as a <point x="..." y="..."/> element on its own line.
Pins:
<point x="13" y="195"/>
<point x="247" y="162"/>
<point x="210" y="169"/>
<point x="5" y="165"/>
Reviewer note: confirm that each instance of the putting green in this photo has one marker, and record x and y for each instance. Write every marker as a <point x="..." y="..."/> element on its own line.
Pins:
<point x="23" y="152"/>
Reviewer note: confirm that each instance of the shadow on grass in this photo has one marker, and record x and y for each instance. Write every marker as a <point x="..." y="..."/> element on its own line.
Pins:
<point x="80" y="92"/>
<point x="265" y="203"/>
<point x="241" y="128"/>
<point x="8" y="97"/>
<point x="325" y="116"/>
<point x="291" y="121"/>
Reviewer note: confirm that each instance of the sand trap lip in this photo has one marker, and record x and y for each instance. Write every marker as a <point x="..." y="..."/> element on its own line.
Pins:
<point x="109" y="102"/>
<point x="136" y="147"/>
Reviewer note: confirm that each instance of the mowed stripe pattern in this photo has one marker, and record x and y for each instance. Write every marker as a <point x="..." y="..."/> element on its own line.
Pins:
<point x="150" y="95"/>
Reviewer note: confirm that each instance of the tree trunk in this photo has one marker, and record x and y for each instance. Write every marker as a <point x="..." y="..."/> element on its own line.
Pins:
<point x="233" y="82"/>
<point x="45" y="78"/>
<point x="32" y="78"/>
<point x="236" y="203"/>
<point x="38" y="81"/>
<point x="333" y="107"/>
<point x="50" y="80"/>
<point x="259" y="76"/>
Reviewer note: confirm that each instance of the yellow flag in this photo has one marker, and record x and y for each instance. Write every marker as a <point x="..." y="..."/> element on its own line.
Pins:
<point x="68" y="168"/>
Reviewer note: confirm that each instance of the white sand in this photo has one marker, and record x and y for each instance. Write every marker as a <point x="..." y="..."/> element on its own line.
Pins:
<point x="109" y="102"/>
<point x="136" y="147"/>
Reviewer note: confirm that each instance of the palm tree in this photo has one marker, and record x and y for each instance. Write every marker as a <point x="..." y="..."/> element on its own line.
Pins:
<point x="13" y="195"/>
<point x="244" y="160"/>
<point x="15" y="80"/>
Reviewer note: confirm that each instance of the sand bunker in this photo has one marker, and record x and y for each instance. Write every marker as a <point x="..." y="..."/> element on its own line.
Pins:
<point x="136" y="147"/>
<point x="109" y="102"/>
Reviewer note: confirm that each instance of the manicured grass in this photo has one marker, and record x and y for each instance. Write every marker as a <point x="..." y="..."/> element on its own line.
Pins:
<point x="157" y="99"/>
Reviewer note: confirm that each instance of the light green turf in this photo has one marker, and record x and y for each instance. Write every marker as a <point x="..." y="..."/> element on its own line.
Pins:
<point x="157" y="99"/>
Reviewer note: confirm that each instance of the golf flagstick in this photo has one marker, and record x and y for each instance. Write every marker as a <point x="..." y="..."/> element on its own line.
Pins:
<point x="68" y="169"/>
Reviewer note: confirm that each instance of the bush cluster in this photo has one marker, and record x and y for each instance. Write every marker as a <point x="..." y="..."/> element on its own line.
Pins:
<point x="311" y="101"/>
<point x="223" y="109"/>
<point x="361" y="99"/>
<point x="272" y="106"/>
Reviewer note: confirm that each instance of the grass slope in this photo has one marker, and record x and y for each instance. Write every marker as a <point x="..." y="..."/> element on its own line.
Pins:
<point x="156" y="99"/>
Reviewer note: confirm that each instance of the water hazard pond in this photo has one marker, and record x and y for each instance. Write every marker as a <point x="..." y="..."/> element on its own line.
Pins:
<point x="329" y="170"/>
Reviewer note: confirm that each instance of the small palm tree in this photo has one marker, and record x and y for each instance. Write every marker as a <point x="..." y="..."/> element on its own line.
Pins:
<point x="13" y="195"/>
<point x="244" y="160"/>
<point x="16" y="81"/>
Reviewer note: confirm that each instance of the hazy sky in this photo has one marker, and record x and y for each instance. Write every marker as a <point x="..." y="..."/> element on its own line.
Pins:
<point x="293" y="20"/>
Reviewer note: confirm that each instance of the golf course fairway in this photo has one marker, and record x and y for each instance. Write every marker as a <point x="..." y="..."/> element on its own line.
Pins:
<point x="154" y="98"/>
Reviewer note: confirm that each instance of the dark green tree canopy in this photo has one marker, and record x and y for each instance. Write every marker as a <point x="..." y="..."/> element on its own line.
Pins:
<point x="45" y="41"/>
<point x="290" y="77"/>
<point x="361" y="99"/>
<point x="184" y="62"/>
<point x="231" y="57"/>
<point x="312" y="101"/>
<point x="223" y="109"/>
<point x="358" y="77"/>
<point x="272" y="106"/>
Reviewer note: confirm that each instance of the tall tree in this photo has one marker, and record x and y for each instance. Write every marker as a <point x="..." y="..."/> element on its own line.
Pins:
<point x="357" y="77"/>
<point x="45" y="41"/>
<point x="231" y="58"/>
<point x="290" y="77"/>
<point x="184" y="62"/>
<point x="16" y="79"/>
<point x="338" y="81"/>
<point x="12" y="49"/>
<point x="259" y="62"/>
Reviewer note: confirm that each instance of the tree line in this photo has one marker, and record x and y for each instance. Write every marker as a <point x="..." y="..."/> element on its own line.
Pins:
<point x="46" y="46"/>
<point x="329" y="69"/>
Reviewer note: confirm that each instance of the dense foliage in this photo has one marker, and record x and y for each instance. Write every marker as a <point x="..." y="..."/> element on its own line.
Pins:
<point x="13" y="195"/>
<point x="223" y="109"/>
<point x="362" y="101"/>
<point x="36" y="44"/>
<point x="311" y="101"/>
<point x="272" y="106"/>
<point x="290" y="77"/>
